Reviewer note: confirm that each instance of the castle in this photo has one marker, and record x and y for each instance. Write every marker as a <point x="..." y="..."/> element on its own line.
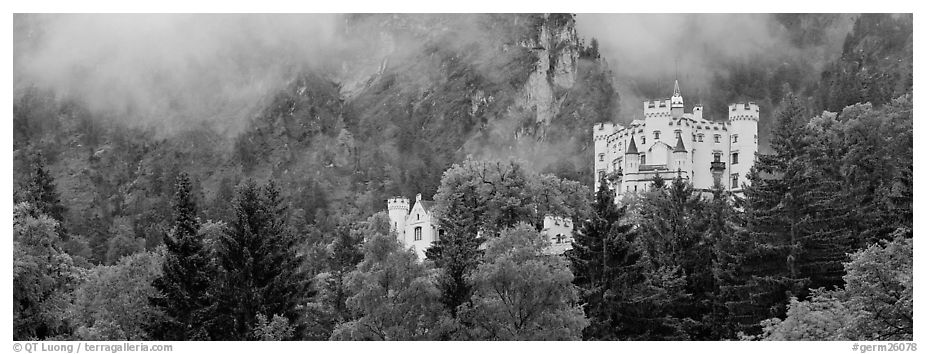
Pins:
<point x="416" y="227"/>
<point x="670" y="142"/>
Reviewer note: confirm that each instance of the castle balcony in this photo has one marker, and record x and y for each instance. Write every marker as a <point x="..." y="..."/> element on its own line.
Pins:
<point x="718" y="166"/>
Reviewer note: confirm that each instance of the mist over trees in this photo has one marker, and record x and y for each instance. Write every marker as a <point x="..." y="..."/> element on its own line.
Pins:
<point x="274" y="229"/>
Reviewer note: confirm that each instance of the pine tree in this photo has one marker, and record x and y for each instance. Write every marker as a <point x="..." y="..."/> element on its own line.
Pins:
<point x="607" y="270"/>
<point x="188" y="281"/>
<point x="261" y="264"/>
<point x="39" y="190"/>
<point x="796" y="226"/>
<point x="722" y="223"/>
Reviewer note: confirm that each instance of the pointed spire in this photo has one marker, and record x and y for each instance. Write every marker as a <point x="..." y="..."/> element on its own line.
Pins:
<point x="632" y="147"/>
<point x="677" y="101"/>
<point x="679" y="145"/>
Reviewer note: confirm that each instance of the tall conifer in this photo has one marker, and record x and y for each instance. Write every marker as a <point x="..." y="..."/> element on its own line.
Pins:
<point x="187" y="286"/>
<point x="261" y="264"/>
<point x="607" y="270"/>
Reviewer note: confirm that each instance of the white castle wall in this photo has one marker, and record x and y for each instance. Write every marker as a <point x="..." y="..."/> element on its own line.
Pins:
<point x="405" y="221"/>
<point x="612" y="142"/>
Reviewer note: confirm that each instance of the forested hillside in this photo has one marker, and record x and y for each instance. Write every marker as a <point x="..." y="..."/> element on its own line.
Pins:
<point x="110" y="212"/>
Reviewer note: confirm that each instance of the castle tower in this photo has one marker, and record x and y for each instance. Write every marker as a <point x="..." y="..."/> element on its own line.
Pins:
<point x="679" y="155"/>
<point x="398" y="211"/>
<point x="633" y="157"/>
<point x="677" y="103"/>
<point x="744" y="141"/>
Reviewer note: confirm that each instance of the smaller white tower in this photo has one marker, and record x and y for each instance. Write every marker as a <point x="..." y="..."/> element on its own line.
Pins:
<point x="398" y="211"/>
<point x="744" y="141"/>
<point x="679" y="156"/>
<point x="633" y="157"/>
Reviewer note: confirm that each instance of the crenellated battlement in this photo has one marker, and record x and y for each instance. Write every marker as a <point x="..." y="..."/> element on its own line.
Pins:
<point x="657" y="108"/>
<point x="666" y="138"/>
<point x="744" y="111"/>
<point x="602" y="131"/>
<point x="398" y="203"/>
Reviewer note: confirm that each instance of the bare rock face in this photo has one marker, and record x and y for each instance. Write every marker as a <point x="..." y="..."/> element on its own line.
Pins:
<point x="556" y="48"/>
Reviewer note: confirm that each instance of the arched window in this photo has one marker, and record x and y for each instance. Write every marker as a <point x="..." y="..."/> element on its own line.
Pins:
<point x="418" y="233"/>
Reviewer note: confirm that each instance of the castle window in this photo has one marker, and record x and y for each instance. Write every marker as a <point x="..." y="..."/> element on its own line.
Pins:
<point x="600" y="157"/>
<point x="678" y="134"/>
<point x="643" y="139"/>
<point x="735" y="138"/>
<point x="440" y="234"/>
<point x="656" y="135"/>
<point x="736" y="180"/>
<point x="418" y="233"/>
<point x="716" y="157"/>
<point x="418" y="216"/>
<point x="700" y="138"/>
<point x="642" y="159"/>
<point x="559" y="238"/>
<point x="716" y="138"/>
<point x="601" y="174"/>
<point x="735" y="158"/>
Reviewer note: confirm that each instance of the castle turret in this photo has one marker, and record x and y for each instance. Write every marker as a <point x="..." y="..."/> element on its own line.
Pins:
<point x="678" y="104"/>
<point x="398" y="211"/>
<point x="679" y="155"/>
<point x="633" y="157"/>
<point x="744" y="141"/>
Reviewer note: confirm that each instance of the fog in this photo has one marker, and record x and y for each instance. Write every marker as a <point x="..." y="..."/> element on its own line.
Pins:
<point x="170" y="71"/>
<point x="648" y="51"/>
<point x="166" y="70"/>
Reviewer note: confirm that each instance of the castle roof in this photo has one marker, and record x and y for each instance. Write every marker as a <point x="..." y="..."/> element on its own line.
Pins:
<point x="679" y="146"/>
<point x="632" y="147"/>
<point x="426" y="205"/>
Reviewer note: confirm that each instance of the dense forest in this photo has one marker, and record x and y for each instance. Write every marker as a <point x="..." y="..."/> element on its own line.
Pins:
<point x="276" y="230"/>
